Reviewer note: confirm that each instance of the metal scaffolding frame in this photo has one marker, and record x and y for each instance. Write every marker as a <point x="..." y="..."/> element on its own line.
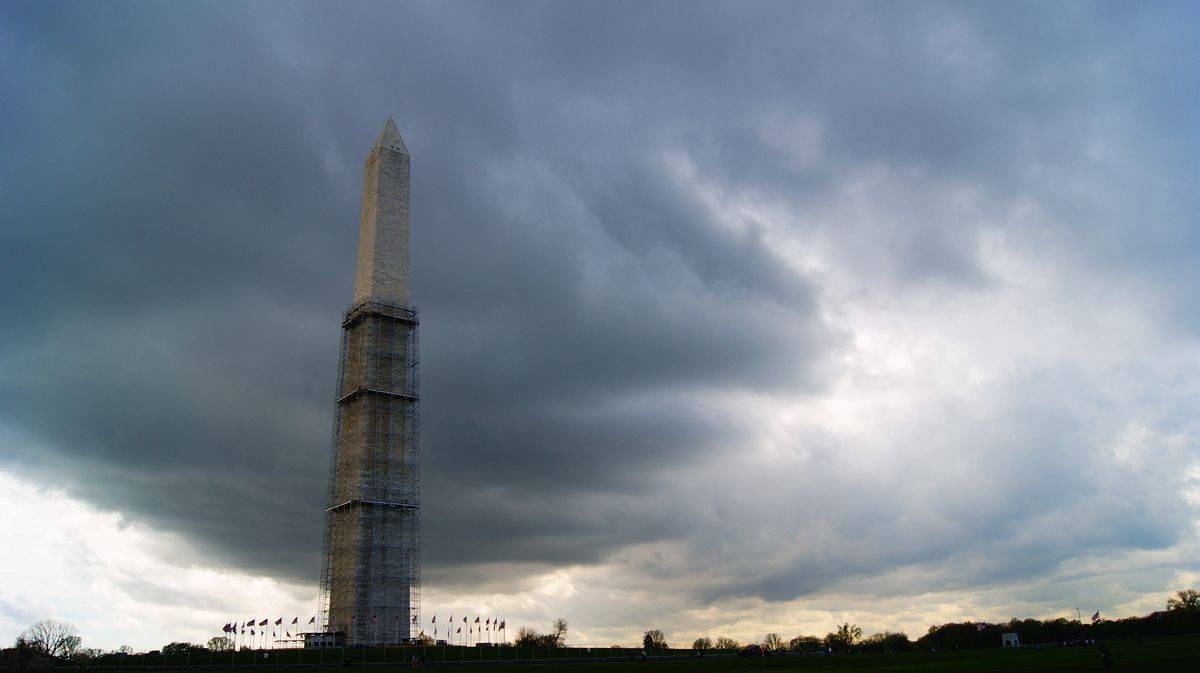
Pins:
<point x="370" y="567"/>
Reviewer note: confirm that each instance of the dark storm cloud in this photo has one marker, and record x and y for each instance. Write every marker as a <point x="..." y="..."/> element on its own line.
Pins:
<point x="180" y="187"/>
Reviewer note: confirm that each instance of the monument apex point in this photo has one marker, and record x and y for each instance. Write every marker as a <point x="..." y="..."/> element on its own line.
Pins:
<point x="390" y="138"/>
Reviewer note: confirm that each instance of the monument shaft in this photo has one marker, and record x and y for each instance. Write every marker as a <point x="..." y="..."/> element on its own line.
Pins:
<point x="370" y="569"/>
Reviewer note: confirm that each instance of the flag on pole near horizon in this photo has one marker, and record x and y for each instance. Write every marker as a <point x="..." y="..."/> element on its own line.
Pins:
<point x="278" y="621"/>
<point x="264" y="621"/>
<point x="434" y="620"/>
<point x="1096" y="617"/>
<point x="476" y="620"/>
<point x="313" y="620"/>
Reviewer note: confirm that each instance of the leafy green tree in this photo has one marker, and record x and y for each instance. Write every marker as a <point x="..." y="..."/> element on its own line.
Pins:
<point x="773" y="642"/>
<point x="654" y="640"/>
<point x="51" y="638"/>
<point x="220" y="644"/>
<point x="1187" y="600"/>
<point x="702" y="643"/>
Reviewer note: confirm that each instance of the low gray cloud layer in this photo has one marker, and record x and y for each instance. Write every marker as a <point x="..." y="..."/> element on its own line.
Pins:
<point x="652" y="241"/>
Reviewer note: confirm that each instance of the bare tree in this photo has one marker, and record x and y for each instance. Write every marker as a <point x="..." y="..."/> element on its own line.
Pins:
<point x="527" y="637"/>
<point x="51" y="637"/>
<point x="1187" y="600"/>
<point x="844" y="638"/>
<point x="558" y="630"/>
<point x="773" y="642"/>
<point x="702" y="643"/>
<point x="727" y="643"/>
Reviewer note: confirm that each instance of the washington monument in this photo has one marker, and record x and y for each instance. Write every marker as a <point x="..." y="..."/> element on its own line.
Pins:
<point x="370" y="568"/>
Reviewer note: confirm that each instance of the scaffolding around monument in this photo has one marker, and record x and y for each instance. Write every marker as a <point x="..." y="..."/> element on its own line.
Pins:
<point x="370" y="568"/>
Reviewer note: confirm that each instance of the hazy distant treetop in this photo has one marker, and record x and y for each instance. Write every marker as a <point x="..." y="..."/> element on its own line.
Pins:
<point x="702" y="643"/>
<point x="181" y="648"/>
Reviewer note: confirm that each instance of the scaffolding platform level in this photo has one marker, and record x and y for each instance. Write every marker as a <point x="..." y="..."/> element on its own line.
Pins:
<point x="370" y="568"/>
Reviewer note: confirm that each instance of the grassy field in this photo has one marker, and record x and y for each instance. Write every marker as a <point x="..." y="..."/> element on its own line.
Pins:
<point x="1167" y="653"/>
<point x="1152" y="655"/>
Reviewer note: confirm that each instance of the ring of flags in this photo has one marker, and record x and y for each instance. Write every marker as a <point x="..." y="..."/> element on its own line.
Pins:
<point x="254" y="625"/>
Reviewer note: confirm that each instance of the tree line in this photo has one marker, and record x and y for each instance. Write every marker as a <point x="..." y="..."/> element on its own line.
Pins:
<point x="1182" y="615"/>
<point x="50" y="640"/>
<point x="845" y="638"/>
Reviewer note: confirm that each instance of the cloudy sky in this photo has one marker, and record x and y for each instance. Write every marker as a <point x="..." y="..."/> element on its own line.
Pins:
<point x="736" y="317"/>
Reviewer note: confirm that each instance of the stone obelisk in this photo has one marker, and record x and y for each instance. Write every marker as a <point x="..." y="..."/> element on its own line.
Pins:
<point x="370" y="569"/>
